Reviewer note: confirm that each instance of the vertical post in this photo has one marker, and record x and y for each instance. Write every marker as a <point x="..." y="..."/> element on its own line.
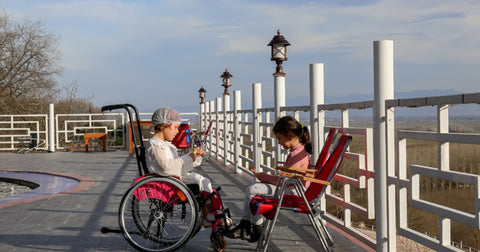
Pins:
<point x="219" y="127"/>
<point x="383" y="90"/>
<point x="202" y="111"/>
<point x="51" y="128"/>
<point x="316" y="98"/>
<point x="226" y="109"/>
<point x="279" y="95"/>
<point x="237" y="105"/>
<point x="443" y="147"/>
<point x="257" y="103"/>
<point x="211" y="138"/>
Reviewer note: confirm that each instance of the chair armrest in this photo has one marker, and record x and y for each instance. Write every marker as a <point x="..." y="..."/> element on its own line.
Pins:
<point x="294" y="169"/>
<point x="304" y="178"/>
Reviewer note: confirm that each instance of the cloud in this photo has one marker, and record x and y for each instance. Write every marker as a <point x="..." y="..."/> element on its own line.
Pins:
<point x="189" y="43"/>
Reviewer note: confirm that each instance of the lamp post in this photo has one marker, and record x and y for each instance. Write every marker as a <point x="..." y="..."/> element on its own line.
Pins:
<point x="201" y="95"/>
<point x="226" y="81"/>
<point x="278" y="54"/>
<point x="226" y="107"/>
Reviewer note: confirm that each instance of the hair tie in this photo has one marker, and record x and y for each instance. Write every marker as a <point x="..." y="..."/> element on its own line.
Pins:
<point x="303" y="125"/>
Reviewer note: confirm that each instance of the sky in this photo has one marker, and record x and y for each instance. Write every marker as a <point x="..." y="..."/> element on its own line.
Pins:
<point x="159" y="53"/>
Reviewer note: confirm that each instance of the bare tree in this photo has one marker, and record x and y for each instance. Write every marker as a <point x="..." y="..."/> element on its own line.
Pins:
<point x="28" y="66"/>
<point x="70" y="102"/>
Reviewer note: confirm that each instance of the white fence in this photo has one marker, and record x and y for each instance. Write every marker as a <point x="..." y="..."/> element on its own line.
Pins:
<point x="242" y="139"/>
<point x="18" y="131"/>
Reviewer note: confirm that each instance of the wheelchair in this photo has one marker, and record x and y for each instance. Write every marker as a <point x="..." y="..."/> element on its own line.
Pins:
<point x="159" y="213"/>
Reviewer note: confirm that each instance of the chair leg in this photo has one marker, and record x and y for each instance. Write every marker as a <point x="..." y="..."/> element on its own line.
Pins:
<point x="322" y="232"/>
<point x="327" y="234"/>
<point x="265" y="237"/>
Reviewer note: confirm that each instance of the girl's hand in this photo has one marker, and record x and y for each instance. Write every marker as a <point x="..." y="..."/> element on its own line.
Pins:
<point x="197" y="152"/>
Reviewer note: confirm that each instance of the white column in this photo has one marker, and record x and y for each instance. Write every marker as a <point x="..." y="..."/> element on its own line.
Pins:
<point x="317" y="122"/>
<point x="226" y="128"/>
<point x="257" y="103"/>
<point x="383" y="90"/>
<point x="51" y="128"/>
<point x="212" y="118"/>
<point x="237" y="105"/>
<point x="279" y="93"/>
<point x="218" y="127"/>
<point x="443" y="148"/>
<point x="202" y="116"/>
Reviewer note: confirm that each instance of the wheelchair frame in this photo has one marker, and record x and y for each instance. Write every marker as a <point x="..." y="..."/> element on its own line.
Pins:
<point x="161" y="213"/>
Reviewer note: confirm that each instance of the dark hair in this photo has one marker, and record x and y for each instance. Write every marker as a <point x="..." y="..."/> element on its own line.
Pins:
<point x="289" y="124"/>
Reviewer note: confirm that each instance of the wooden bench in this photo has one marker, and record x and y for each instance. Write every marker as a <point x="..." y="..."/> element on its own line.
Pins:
<point x="102" y="136"/>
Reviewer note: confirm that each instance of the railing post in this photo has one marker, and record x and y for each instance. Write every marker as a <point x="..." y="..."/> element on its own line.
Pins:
<point x="237" y="105"/>
<point x="316" y="98"/>
<point x="226" y="108"/>
<point x="218" y="127"/>
<point x="51" y="127"/>
<point x="279" y="95"/>
<point x="257" y="103"/>
<point x="202" y="116"/>
<point x="443" y="147"/>
<point x="211" y="137"/>
<point x="383" y="90"/>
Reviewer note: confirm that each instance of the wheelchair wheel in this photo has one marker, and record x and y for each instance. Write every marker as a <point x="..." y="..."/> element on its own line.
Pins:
<point x="158" y="214"/>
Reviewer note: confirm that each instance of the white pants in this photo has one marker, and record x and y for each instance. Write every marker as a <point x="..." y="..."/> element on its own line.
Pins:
<point x="195" y="178"/>
<point x="259" y="188"/>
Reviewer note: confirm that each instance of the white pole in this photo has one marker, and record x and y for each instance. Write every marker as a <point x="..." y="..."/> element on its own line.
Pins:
<point x="316" y="118"/>
<point x="279" y="93"/>
<point x="226" y="108"/>
<point x="210" y="137"/>
<point x="257" y="103"/>
<point x="202" y="116"/>
<point x="383" y="90"/>
<point x="237" y="100"/>
<point x="219" y="127"/>
<point x="51" y="128"/>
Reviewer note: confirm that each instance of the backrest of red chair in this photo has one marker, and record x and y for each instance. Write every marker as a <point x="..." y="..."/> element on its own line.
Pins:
<point x="325" y="152"/>
<point x="208" y="129"/>
<point x="181" y="139"/>
<point x="330" y="168"/>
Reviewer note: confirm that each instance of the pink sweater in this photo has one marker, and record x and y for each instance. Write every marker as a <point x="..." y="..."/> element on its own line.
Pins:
<point x="299" y="158"/>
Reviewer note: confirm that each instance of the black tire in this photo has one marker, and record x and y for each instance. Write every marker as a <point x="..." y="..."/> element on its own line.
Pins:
<point x="158" y="214"/>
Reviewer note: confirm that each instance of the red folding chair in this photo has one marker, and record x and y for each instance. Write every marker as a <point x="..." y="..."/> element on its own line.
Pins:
<point x="307" y="201"/>
<point x="182" y="139"/>
<point x="200" y="138"/>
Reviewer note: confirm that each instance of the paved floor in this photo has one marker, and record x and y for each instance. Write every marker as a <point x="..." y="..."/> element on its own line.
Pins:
<point x="71" y="220"/>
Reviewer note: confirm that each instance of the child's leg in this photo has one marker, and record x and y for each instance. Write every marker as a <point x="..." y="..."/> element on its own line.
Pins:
<point x="195" y="178"/>
<point x="253" y="190"/>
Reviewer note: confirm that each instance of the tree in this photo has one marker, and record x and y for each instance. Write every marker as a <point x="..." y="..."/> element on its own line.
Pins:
<point x="70" y="102"/>
<point x="28" y="66"/>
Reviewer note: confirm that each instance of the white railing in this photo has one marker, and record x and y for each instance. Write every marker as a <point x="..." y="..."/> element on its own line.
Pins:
<point x="70" y="129"/>
<point x="242" y="139"/>
<point x="16" y="131"/>
<point x="404" y="179"/>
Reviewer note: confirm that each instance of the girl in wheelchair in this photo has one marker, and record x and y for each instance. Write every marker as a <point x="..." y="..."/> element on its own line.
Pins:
<point x="162" y="158"/>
